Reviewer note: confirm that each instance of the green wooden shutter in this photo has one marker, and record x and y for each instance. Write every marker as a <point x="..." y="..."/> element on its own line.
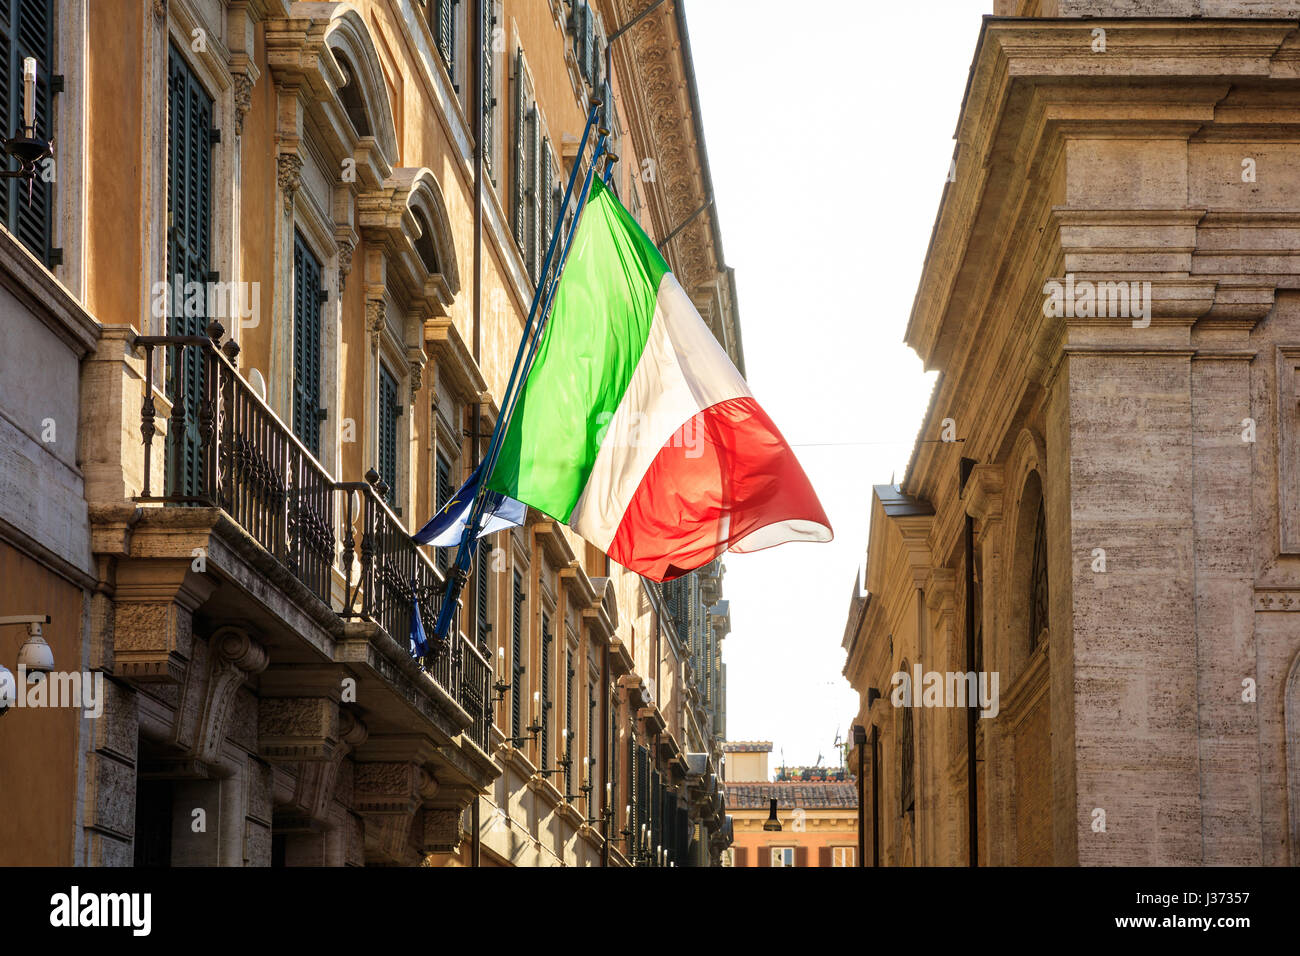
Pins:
<point x="633" y="770"/>
<point x="612" y="750"/>
<point x="443" y="490"/>
<point x="27" y="29"/>
<point x="443" y="14"/>
<point x="387" y="419"/>
<point x="589" y="44"/>
<point x="481" y="624"/>
<point x="516" y="654"/>
<point x="532" y="176"/>
<point x="546" y="690"/>
<point x="568" y="716"/>
<point x="189" y="187"/>
<point x="519" y="195"/>
<point x="545" y="203"/>
<point x="488" y="98"/>
<point x="307" y="296"/>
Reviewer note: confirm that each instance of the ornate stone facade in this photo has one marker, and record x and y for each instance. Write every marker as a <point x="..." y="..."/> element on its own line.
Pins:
<point x="1104" y="527"/>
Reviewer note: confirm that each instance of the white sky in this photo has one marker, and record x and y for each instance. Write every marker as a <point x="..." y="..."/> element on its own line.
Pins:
<point x="829" y="129"/>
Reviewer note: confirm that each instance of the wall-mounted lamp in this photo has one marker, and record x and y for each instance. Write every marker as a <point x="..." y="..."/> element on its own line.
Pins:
<point x="25" y="144"/>
<point x="35" y="658"/>
<point x="772" y="824"/>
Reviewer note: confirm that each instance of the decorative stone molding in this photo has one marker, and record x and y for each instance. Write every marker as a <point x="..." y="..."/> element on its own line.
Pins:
<point x="243" y="100"/>
<point x="204" y="703"/>
<point x="318" y="779"/>
<point x="346" y="248"/>
<point x="289" y="178"/>
<point x="416" y="367"/>
<point x="160" y="9"/>
<point x="1277" y="600"/>
<point x="386" y="794"/>
<point x="442" y="830"/>
<point x="375" y="321"/>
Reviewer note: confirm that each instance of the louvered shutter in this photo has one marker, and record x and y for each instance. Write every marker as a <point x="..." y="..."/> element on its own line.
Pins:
<point x="568" y="716"/>
<point x="488" y="97"/>
<point x="545" y="203"/>
<point x="306" y="344"/>
<point x="764" y="854"/>
<point x="742" y="856"/>
<point x="801" y="856"/>
<point x="443" y="490"/>
<point x="481" y="623"/>
<point x="612" y="772"/>
<point x="516" y="654"/>
<point x="824" y="856"/>
<point x="633" y="794"/>
<point x="656" y="814"/>
<point x="444" y="29"/>
<point x="589" y="44"/>
<point x="27" y="29"/>
<point x="519" y="196"/>
<point x="387" y="419"/>
<point x="189" y="185"/>
<point x="533" y="187"/>
<point x="546" y="690"/>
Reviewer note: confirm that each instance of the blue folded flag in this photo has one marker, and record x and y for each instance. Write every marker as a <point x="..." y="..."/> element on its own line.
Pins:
<point x="419" y="642"/>
<point x="445" y="529"/>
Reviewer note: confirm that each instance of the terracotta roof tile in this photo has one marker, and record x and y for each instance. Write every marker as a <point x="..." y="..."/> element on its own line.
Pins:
<point x="792" y="794"/>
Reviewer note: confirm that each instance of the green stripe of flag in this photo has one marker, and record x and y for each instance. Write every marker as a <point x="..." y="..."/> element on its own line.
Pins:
<point x="598" y="329"/>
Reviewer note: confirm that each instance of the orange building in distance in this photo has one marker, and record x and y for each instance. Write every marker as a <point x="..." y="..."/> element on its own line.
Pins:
<point x="816" y="807"/>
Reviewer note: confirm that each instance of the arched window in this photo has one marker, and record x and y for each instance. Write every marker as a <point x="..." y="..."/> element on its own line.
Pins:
<point x="1038" y="582"/>
<point x="906" y="757"/>
<point x="424" y="246"/>
<point x="352" y="98"/>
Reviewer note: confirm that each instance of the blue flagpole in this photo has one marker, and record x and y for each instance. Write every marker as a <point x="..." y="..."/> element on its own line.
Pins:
<point x="537" y="312"/>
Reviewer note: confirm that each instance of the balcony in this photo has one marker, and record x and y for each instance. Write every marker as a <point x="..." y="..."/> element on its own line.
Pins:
<point x="222" y="447"/>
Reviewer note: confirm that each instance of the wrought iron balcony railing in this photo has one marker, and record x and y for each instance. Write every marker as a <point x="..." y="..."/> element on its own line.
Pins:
<point x="226" y="448"/>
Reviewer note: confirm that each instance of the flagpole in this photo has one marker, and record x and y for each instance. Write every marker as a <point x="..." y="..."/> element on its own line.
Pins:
<point x="537" y="313"/>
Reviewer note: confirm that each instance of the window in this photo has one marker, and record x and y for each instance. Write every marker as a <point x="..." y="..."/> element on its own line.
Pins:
<point x="442" y="20"/>
<point x="568" y="719"/>
<point x="1038" y="582"/>
<point x="26" y="29"/>
<point x="546" y="690"/>
<point x="488" y="96"/>
<point x="906" y="759"/>
<point x="389" y="410"/>
<point x="481" y="626"/>
<point x="443" y="490"/>
<point x="424" y="245"/>
<point x="533" y="200"/>
<point x="352" y="98"/>
<point x="189" y="189"/>
<point x="307" y="298"/>
<point x="783" y="856"/>
<point x="586" y="41"/>
<point x="517" y="654"/>
<point x="843" y="855"/>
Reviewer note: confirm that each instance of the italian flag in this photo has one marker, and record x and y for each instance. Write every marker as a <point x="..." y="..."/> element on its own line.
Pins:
<point x="633" y="426"/>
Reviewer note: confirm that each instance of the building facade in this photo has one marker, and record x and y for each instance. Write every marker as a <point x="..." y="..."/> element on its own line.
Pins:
<point x="1101" y="508"/>
<point x="257" y="327"/>
<point x="816" y="808"/>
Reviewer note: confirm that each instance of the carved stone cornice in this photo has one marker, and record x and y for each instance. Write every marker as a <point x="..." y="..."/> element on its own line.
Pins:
<point x="660" y="116"/>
